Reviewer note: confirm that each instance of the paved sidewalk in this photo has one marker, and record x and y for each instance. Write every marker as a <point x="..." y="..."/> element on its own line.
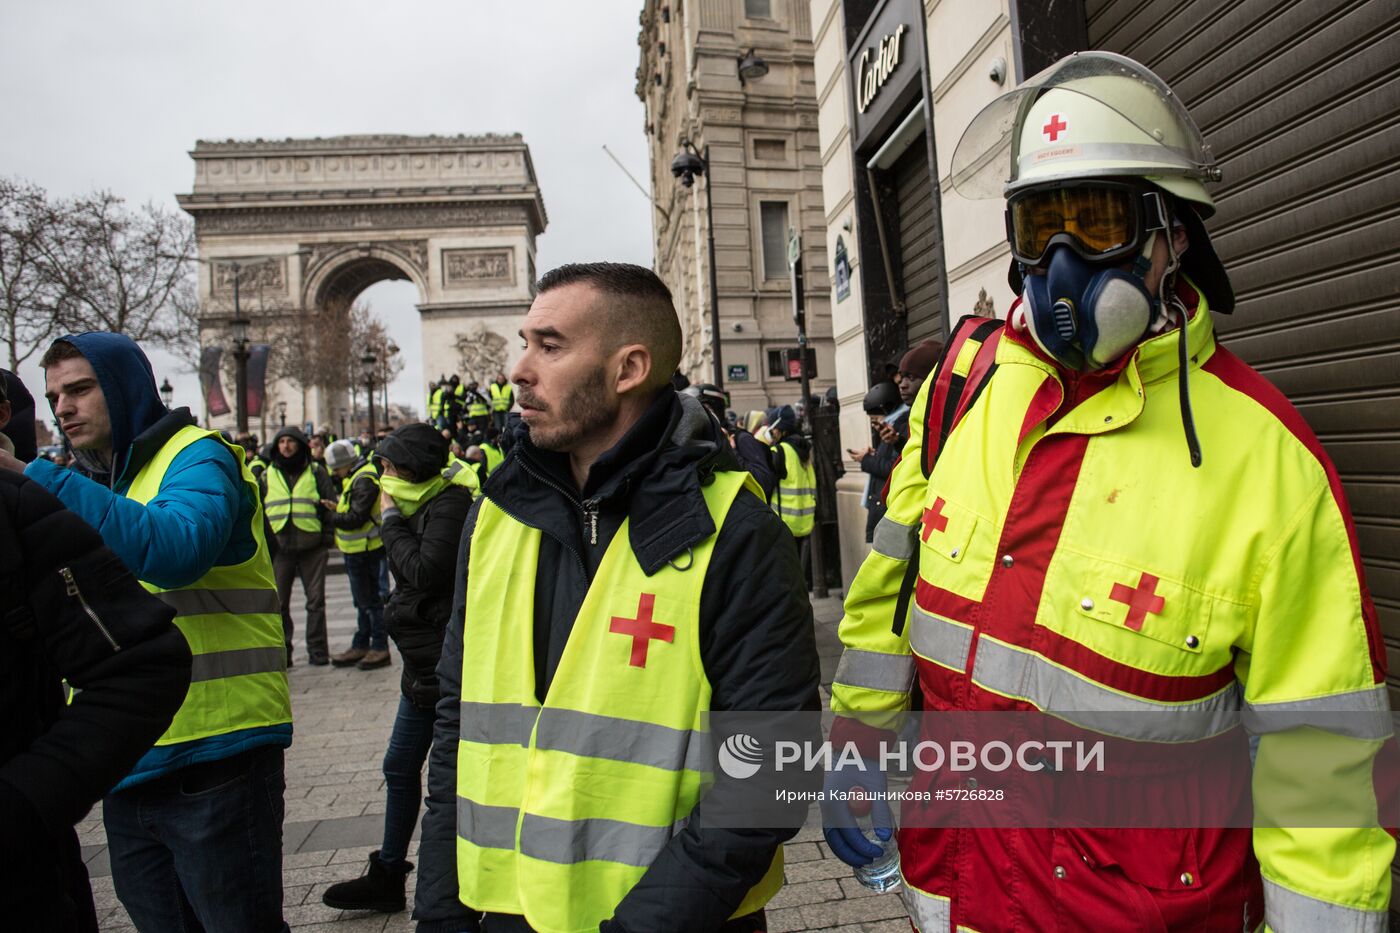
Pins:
<point x="335" y="804"/>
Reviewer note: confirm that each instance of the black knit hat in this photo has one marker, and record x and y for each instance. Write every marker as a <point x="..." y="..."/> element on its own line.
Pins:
<point x="417" y="449"/>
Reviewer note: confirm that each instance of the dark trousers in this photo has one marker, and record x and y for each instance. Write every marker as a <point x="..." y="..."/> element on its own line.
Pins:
<point x="200" y="849"/>
<point x="363" y="572"/>
<point x="498" y="418"/>
<point x="310" y="565"/>
<point x="409" y="744"/>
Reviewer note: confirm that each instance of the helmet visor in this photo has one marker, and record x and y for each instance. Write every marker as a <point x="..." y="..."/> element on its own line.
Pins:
<point x="1098" y="221"/>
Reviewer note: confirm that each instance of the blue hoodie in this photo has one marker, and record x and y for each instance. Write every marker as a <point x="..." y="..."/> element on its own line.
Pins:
<point x="200" y="519"/>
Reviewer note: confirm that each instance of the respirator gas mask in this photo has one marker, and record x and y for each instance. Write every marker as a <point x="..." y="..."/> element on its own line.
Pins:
<point x="1080" y="306"/>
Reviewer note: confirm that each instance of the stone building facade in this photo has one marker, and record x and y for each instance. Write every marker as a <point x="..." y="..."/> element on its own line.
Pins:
<point x="314" y="222"/>
<point x="761" y="136"/>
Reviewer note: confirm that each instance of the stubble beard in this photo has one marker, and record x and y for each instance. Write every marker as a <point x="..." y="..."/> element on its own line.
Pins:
<point x="586" y="409"/>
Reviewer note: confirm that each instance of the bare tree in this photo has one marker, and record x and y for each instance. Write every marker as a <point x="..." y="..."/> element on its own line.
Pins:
<point x="369" y="335"/>
<point x="120" y="270"/>
<point x="30" y="300"/>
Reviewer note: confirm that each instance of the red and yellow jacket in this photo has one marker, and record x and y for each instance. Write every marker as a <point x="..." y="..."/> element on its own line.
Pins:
<point x="1070" y="559"/>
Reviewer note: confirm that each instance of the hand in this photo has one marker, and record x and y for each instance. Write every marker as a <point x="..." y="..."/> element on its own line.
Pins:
<point x="330" y="504"/>
<point x="843" y="834"/>
<point x="887" y="433"/>
<point x="859" y="455"/>
<point x="386" y="501"/>
<point x="8" y="461"/>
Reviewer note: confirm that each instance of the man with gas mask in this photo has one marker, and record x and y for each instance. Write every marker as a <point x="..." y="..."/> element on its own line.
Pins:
<point x="1103" y="515"/>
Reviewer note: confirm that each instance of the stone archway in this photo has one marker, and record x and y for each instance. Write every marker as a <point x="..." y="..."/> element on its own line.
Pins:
<point x="313" y="221"/>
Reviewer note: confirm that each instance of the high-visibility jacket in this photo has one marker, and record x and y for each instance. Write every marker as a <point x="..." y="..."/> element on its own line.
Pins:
<point x="460" y="472"/>
<point x="476" y="405"/>
<point x="1070" y="559"/>
<point x="502" y="396"/>
<point x="435" y="404"/>
<point x="493" y="457"/>
<point x="366" y="537"/>
<point x="296" y="504"/>
<point x="230" y="617"/>
<point x="620" y="740"/>
<point x="796" y="499"/>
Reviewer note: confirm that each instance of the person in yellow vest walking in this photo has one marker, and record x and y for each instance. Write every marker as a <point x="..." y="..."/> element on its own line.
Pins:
<point x="293" y="487"/>
<point x="477" y="411"/>
<point x="194" y="831"/>
<point x="795" y="499"/>
<point x="619" y="579"/>
<point x="502" y="400"/>
<point x="355" y="517"/>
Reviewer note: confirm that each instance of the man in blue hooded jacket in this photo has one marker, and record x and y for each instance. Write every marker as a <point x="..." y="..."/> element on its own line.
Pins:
<point x="194" y="832"/>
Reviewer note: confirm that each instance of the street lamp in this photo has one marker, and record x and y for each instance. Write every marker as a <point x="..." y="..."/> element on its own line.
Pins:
<point x="391" y="350"/>
<point x="751" y="67"/>
<point x="282" y="414"/>
<point x="239" y="327"/>
<point x="167" y="392"/>
<point x="342" y="422"/>
<point x="686" y="165"/>
<point x="367" y="368"/>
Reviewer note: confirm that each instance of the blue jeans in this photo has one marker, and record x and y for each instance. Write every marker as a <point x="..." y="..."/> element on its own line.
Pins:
<point x="200" y="849"/>
<point x="363" y="570"/>
<point x="384" y="579"/>
<point x="403" y="778"/>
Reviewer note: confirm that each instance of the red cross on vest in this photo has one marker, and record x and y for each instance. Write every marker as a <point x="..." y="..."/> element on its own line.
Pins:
<point x="1055" y="127"/>
<point x="1140" y="601"/>
<point x="642" y="630"/>
<point x="933" y="519"/>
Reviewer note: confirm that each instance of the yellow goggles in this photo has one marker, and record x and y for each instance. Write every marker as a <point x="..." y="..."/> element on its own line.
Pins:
<point x="1101" y="221"/>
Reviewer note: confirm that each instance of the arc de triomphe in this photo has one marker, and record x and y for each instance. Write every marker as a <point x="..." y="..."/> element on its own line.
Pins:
<point x="314" y="222"/>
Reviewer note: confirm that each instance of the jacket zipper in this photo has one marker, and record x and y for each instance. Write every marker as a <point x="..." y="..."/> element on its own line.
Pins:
<point x="555" y="486"/>
<point x="589" y="508"/>
<point x="72" y="587"/>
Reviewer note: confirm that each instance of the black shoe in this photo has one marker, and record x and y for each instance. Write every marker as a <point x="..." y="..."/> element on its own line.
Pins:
<point x="319" y="660"/>
<point x="380" y="888"/>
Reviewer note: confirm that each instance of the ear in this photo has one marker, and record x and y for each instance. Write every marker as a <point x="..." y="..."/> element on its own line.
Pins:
<point x="632" y="364"/>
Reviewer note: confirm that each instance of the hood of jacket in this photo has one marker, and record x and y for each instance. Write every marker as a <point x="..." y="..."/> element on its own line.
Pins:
<point x="655" y="473"/>
<point x="291" y="466"/>
<point x="140" y="422"/>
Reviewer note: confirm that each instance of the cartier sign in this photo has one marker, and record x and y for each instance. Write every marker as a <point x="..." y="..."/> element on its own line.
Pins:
<point x="876" y="65"/>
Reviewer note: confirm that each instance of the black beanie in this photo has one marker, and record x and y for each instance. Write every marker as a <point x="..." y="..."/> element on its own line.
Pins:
<point x="417" y="449"/>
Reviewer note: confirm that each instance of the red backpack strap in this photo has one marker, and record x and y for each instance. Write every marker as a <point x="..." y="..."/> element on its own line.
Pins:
<point x="968" y="360"/>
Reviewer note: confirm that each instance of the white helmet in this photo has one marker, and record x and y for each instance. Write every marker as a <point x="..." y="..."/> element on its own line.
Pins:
<point x="1090" y="115"/>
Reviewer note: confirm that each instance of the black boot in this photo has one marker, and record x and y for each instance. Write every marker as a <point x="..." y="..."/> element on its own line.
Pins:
<point x="380" y="888"/>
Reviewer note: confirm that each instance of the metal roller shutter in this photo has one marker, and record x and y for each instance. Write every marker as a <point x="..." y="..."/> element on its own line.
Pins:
<point x="917" y="244"/>
<point x="1300" y="102"/>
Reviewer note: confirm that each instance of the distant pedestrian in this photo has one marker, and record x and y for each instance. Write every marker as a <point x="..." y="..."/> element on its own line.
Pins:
<point x="751" y="453"/>
<point x="796" y="498"/>
<point x="56" y="760"/>
<point x="194" y="831"/>
<point x="502" y="399"/>
<point x="889" y="420"/>
<point x="423" y="515"/>
<point x="355" y="516"/>
<point x="293" y="488"/>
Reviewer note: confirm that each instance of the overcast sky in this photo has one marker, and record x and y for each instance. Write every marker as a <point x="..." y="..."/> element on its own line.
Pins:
<point x="114" y="95"/>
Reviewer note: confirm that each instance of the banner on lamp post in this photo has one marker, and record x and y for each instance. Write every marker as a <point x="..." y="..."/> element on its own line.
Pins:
<point x="257" y="378"/>
<point x="209" y="385"/>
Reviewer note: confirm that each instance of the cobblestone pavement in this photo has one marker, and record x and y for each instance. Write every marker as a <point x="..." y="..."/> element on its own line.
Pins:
<point x="335" y="804"/>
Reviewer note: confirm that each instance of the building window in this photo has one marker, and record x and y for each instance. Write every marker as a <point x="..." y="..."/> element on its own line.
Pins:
<point x="758" y="9"/>
<point x="773" y="150"/>
<point x="773" y="217"/>
<point x="777" y="369"/>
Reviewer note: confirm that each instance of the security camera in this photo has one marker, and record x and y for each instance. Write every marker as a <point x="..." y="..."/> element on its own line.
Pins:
<point x="686" y="165"/>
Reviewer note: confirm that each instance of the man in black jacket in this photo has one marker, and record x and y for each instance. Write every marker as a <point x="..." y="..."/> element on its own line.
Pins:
<point x="70" y="610"/>
<point x="608" y="442"/>
<point x="355" y="518"/>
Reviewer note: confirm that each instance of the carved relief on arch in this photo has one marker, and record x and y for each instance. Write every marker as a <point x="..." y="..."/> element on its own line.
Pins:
<point x="467" y="267"/>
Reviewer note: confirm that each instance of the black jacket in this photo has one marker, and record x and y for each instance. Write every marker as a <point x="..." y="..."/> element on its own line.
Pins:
<point x="756" y="641"/>
<point x="423" y="556"/>
<point x="364" y="493"/>
<point x="753" y="456"/>
<point x="57" y="760"/>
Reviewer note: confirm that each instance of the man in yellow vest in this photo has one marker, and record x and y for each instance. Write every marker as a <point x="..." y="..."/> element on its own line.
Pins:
<point x="502" y="400"/>
<point x="293" y="487"/>
<point x="355" y="518"/>
<point x="619" y="579"/>
<point x="795" y="499"/>
<point x="195" y="830"/>
<point x="477" y="409"/>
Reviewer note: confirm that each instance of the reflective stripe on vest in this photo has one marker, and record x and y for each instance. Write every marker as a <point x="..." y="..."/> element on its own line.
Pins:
<point x="297" y="504"/>
<point x="366" y="537"/>
<point x="796" y="499"/>
<point x="502" y="397"/>
<point x="529" y="842"/>
<point x="231" y="620"/>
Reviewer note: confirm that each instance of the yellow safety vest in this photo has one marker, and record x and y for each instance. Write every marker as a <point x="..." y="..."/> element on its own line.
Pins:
<point x="230" y="617"/>
<point x="461" y="473"/>
<point x="494" y="457"/>
<point x="796" y="501"/>
<point x="297" y="504"/>
<point x="502" y="397"/>
<point x="366" y="537"/>
<point x="477" y="408"/>
<point x="534" y="781"/>
<point x="435" y="403"/>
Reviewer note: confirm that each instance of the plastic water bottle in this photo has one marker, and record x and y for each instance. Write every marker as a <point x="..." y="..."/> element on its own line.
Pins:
<point x="882" y="875"/>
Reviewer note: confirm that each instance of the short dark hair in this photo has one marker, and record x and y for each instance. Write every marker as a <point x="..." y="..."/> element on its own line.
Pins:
<point x="59" y="351"/>
<point x="641" y="310"/>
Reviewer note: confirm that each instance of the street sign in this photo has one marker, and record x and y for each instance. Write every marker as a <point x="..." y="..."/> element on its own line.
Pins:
<point x="739" y="373"/>
<point x="794" y="244"/>
<point x="792" y="360"/>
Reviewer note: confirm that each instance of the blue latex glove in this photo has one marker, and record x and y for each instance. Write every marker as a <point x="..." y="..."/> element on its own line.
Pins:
<point x="839" y="824"/>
